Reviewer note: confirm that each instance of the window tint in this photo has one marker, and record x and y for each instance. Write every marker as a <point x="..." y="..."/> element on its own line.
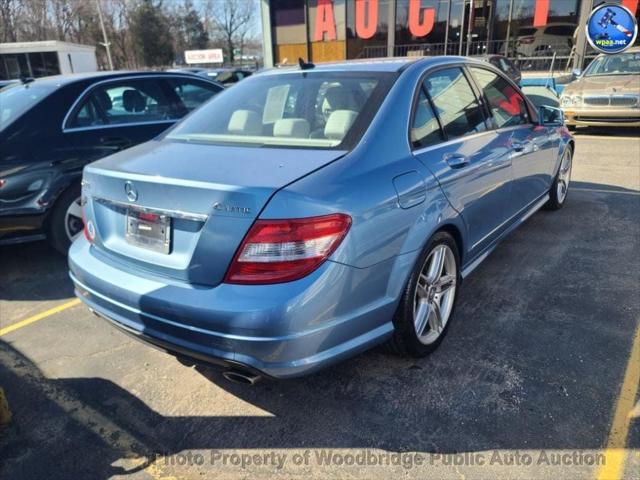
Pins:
<point x="425" y="130"/>
<point x="455" y="103"/>
<point x="124" y="102"/>
<point x="506" y="104"/>
<point x="192" y="93"/>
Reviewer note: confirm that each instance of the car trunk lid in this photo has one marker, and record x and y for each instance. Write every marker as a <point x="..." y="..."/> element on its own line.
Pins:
<point x="208" y="195"/>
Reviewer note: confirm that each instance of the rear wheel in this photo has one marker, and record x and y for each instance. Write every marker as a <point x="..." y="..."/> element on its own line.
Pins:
<point x="428" y="302"/>
<point x="66" y="222"/>
<point x="560" y="187"/>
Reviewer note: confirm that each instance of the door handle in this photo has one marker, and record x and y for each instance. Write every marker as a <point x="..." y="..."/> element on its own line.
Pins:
<point x="517" y="146"/>
<point x="456" y="160"/>
<point x="118" y="142"/>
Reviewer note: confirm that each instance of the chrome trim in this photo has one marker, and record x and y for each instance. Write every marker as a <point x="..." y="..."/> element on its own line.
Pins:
<point x="115" y="125"/>
<point x="120" y="79"/>
<point x="198" y="217"/>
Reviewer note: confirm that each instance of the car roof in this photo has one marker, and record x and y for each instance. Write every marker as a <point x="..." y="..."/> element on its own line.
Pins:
<point x="62" y="80"/>
<point x="390" y="64"/>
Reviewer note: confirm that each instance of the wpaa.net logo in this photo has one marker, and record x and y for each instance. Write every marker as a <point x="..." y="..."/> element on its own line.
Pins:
<point x="611" y="28"/>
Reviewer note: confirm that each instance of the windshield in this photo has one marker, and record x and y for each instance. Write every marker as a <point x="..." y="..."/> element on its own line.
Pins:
<point x="17" y="99"/>
<point x="620" y="64"/>
<point x="290" y="109"/>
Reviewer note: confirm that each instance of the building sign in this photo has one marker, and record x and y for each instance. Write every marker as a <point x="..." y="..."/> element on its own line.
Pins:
<point x="421" y="19"/>
<point x="213" y="55"/>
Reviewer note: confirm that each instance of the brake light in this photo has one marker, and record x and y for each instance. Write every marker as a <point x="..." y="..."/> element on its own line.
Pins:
<point x="277" y="251"/>
<point x="88" y="227"/>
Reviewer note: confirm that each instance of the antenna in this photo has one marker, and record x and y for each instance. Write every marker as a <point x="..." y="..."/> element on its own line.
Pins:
<point x="305" y="65"/>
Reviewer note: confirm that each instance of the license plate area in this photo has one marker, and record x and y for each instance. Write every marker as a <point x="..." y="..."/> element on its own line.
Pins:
<point x="148" y="230"/>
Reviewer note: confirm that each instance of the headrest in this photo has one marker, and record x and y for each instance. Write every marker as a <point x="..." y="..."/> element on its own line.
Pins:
<point x="339" y="123"/>
<point x="291" y="127"/>
<point x="245" y="122"/>
<point x="104" y="100"/>
<point x="339" y="98"/>
<point x="133" y="101"/>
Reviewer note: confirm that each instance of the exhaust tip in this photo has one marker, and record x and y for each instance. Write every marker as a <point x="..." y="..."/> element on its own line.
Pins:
<point x="243" y="378"/>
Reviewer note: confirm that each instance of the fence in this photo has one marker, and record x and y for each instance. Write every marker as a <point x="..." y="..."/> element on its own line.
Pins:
<point x="529" y="54"/>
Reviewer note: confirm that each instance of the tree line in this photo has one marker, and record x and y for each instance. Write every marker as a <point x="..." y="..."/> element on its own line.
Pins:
<point x="141" y="33"/>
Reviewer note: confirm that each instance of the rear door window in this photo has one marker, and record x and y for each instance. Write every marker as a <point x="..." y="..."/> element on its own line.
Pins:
<point x="455" y="103"/>
<point x="124" y="102"/>
<point x="425" y="130"/>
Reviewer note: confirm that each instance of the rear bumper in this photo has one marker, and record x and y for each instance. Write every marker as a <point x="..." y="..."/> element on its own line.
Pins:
<point x="280" y="331"/>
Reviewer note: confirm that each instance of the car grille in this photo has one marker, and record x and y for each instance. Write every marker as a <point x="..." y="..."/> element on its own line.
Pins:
<point x="611" y="100"/>
<point x="584" y="118"/>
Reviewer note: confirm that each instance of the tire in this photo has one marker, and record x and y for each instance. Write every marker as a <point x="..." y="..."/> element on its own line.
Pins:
<point x="406" y="340"/>
<point x="65" y="222"/>
<point x="558" y="196"/>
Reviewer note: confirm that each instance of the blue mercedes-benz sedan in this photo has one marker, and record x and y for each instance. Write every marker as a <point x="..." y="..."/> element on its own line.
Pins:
<point x="310" y="213"/>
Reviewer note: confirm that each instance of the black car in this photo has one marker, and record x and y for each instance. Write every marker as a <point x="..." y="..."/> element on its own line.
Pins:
<point x="506" y="65"/>
<point x="50" y="128"/>
<point x="225" y="76"/>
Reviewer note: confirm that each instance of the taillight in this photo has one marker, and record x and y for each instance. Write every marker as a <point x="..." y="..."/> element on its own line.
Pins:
<point x="88" y="228"/>
<point x="276" y="251"/>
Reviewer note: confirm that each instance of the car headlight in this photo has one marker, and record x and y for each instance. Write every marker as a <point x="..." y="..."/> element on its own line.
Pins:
<point x="576" y="100"/>
<point x="565" y="101"/>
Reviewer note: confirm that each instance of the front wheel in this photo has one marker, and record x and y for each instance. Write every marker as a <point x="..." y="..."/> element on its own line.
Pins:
<point x="560" y="187"/>
<point x="428" y="301"/>
<point x="66" y="224"/>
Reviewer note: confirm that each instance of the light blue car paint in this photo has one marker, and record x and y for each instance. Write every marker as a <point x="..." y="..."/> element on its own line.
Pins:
<point x="397" y="198"/>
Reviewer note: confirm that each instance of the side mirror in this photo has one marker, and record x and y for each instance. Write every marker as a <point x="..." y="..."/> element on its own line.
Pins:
<point x="550" y="116"/>
<point x="576" y="72"/>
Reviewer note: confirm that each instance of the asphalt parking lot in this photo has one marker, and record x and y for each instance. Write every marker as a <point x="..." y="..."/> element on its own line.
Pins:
<point x="537" y="377"/>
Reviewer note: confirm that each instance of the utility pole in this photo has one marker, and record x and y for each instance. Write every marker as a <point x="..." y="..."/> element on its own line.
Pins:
<point x="106" y="43"/>
<point x="472" y="19"/>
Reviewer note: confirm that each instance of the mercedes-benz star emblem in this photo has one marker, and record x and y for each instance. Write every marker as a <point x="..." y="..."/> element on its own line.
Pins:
<point x="130" y="190"/>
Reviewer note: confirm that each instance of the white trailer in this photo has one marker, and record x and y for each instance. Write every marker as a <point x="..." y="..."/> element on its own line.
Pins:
<point x="41" y="59"/>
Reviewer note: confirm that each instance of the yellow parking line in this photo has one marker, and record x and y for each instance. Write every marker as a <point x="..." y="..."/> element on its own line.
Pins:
<point x="39" y="316"/>
<point x="615" y="453"/>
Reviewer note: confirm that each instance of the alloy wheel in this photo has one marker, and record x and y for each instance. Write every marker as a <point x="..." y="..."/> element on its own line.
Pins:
<point x="564" y="176"/>
<point x="435" y="293"/>
<point x="73" y="223"/>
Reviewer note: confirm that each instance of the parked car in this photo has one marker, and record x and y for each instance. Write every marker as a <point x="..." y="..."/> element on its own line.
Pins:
<point x="6" y="83"/>
<point x="506" y="65"/>
<point x="50" y="128"/>
<point x="225" y="76"/>
<point x="545" y="41"/>
<point x="321" y="211"/>
<point x="606" y="94"/>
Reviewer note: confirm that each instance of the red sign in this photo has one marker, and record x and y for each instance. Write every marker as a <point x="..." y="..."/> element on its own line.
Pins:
<point x="420" y="27"/>
<point x="325" y="21"/>
<point x="366" y="18"/>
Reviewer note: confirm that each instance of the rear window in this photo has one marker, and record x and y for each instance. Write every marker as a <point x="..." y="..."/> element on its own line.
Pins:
<point x="17" y="99"/>
<point x="291" y="109"/>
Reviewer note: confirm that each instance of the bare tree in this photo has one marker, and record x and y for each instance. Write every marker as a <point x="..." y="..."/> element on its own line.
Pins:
<point x="232" y="22"/>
